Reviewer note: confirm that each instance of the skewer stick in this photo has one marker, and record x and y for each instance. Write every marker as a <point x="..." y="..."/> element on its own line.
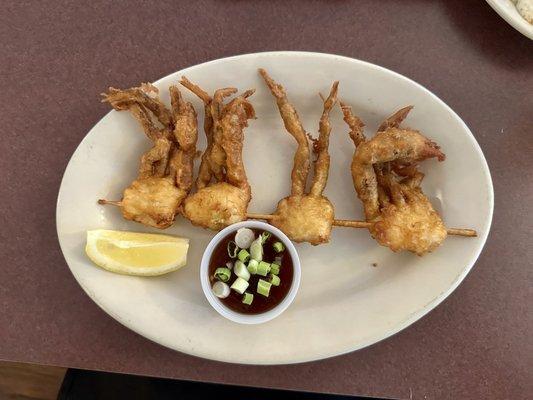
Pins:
<point x="266" y="217"/>
<point x="462" y="232"/>
<point x="363" y="224"/>
<point x="111" y="202"/>
<point x="351" y="224"/>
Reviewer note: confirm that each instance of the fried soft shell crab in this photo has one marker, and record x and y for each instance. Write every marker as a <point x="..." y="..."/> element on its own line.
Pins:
<point x="387" y="181"/>
<point x="165" y="171"/>
<point x="384" y="170"/>
<point x="305" y="217"/>
<point x="223" y="189"/>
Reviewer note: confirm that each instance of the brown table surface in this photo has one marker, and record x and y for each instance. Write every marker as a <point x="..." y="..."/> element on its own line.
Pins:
<point x="57" y="57"/>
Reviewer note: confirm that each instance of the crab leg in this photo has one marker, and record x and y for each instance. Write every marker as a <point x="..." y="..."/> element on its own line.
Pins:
<point x="233" y="121"/>
<point x="204" y="173"/>
<point x="395" y="119"/>
<point x="293" y="125"/>
<point x="321" y="145"/>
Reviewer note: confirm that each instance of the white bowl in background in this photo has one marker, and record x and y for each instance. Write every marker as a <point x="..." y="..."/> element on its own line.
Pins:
<point x="507" y="10"/>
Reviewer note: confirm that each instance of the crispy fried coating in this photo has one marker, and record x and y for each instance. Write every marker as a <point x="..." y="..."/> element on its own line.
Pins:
<point x="407" y="220"/>
<point x="305" y="217"/>
<point x="152" y="201"/>
<point x="387" y="181"/>
<point x="185" y="135"/>
<point x="217" y="206"/>
<point x="293" y="125"/>
<point x="393" y="144"/>
<point x="145" y="95"/>
<point x="223" y="190"/>
<point x="321" y="145"/>
<point x="204" y="172"/>
<point x="165" y="171"/>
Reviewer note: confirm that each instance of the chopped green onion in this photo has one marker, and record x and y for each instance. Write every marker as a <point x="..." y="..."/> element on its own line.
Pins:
<point x="277" y="260"/>
<point x="220" y="289"/>
<point x="265" y="236"/>
<point x="252" y="266"/>
<point x="232" y="249"/>
<point x="243" y="255"/>
<point x="240" y="285"/>
<point x="241" y="271"/>
<point x="244" y="237"/>
<point x="256" y="249"/>
<point x="263" y="287"/>
<point x="223" y="274"/>
<point x="274" y="268"/>
<point x="278" y="247"/>
<point x="263" y="268"/>
<point x="274" y="279"/>
<point x="248" y="298"/>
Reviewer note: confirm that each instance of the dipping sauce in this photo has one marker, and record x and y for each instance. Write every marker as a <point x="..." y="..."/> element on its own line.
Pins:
<point x="260" y="303"/>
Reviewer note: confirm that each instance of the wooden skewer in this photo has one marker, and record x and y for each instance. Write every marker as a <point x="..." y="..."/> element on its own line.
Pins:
<point x="346" y="223"/>
<point x="266" y="217"/>
<point x="111" y="202"/>
<point x="351" y="224"/>
<point x="462" y="232"/>
<point x="363" y="224"/>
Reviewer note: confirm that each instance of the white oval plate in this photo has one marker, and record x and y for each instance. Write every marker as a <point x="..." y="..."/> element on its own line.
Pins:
<point x="344" y="303"/>
<point x="507" y="10"/>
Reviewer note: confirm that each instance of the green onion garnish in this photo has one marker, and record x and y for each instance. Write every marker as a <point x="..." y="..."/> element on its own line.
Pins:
<point x="232" y="249"/>
<point x="256" y="249"/>
<point x="244" y="238"/>
<point x="241" y="271"/>
<point x="265" y="236"/>
<point x="278" y="247"/>
<point x="247" y="298"/>
<point x="274" y="268"/>
<point x="263" y="268"/>
<point x="274" y="279"/>
<point x="220" y="289"/>
<point x="223" y="274"/>
<point x="252" y="266"/>
<point x="263" y="287"/>
<point x="277" y="260"/>
<point x="243" y="255"/>
<point x="240" y="285"/>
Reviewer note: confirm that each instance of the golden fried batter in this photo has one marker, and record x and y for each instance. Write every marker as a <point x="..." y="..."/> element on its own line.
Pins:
<point x="217" y="206"/>
<point x="223" y="190"/>
<point x="293" y="125"/>
<point x="185" y="136"/>
<point x="152" y="201"/>
<point x="386" y="179"/>
<point x="165" y="171"/>
<point x="305" y="217"/>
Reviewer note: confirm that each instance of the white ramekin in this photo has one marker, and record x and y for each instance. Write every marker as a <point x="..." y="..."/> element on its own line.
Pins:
<point x="217" y="303"/>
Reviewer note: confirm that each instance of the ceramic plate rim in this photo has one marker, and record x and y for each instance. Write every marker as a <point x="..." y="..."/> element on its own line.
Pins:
<point x="412" y="318"/>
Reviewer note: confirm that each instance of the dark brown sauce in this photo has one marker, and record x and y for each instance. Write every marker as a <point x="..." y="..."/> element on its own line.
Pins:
<point x="261" y="304"/>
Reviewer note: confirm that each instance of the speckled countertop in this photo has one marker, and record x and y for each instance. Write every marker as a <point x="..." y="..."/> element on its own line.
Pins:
<point x="56" y="57"/>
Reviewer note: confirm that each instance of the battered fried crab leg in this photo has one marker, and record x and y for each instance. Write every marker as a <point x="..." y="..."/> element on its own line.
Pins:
<point x="304" y="217"/>
<point x="387" y="181"/>
<point x="223" y="190"/>
<point x="165" y="171"/>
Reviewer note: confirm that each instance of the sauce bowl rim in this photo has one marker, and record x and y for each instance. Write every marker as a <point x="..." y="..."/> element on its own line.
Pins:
<point x="220" y="307"/>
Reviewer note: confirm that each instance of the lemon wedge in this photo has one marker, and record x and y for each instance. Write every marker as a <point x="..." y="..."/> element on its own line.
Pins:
<point x="133" y="253"/>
